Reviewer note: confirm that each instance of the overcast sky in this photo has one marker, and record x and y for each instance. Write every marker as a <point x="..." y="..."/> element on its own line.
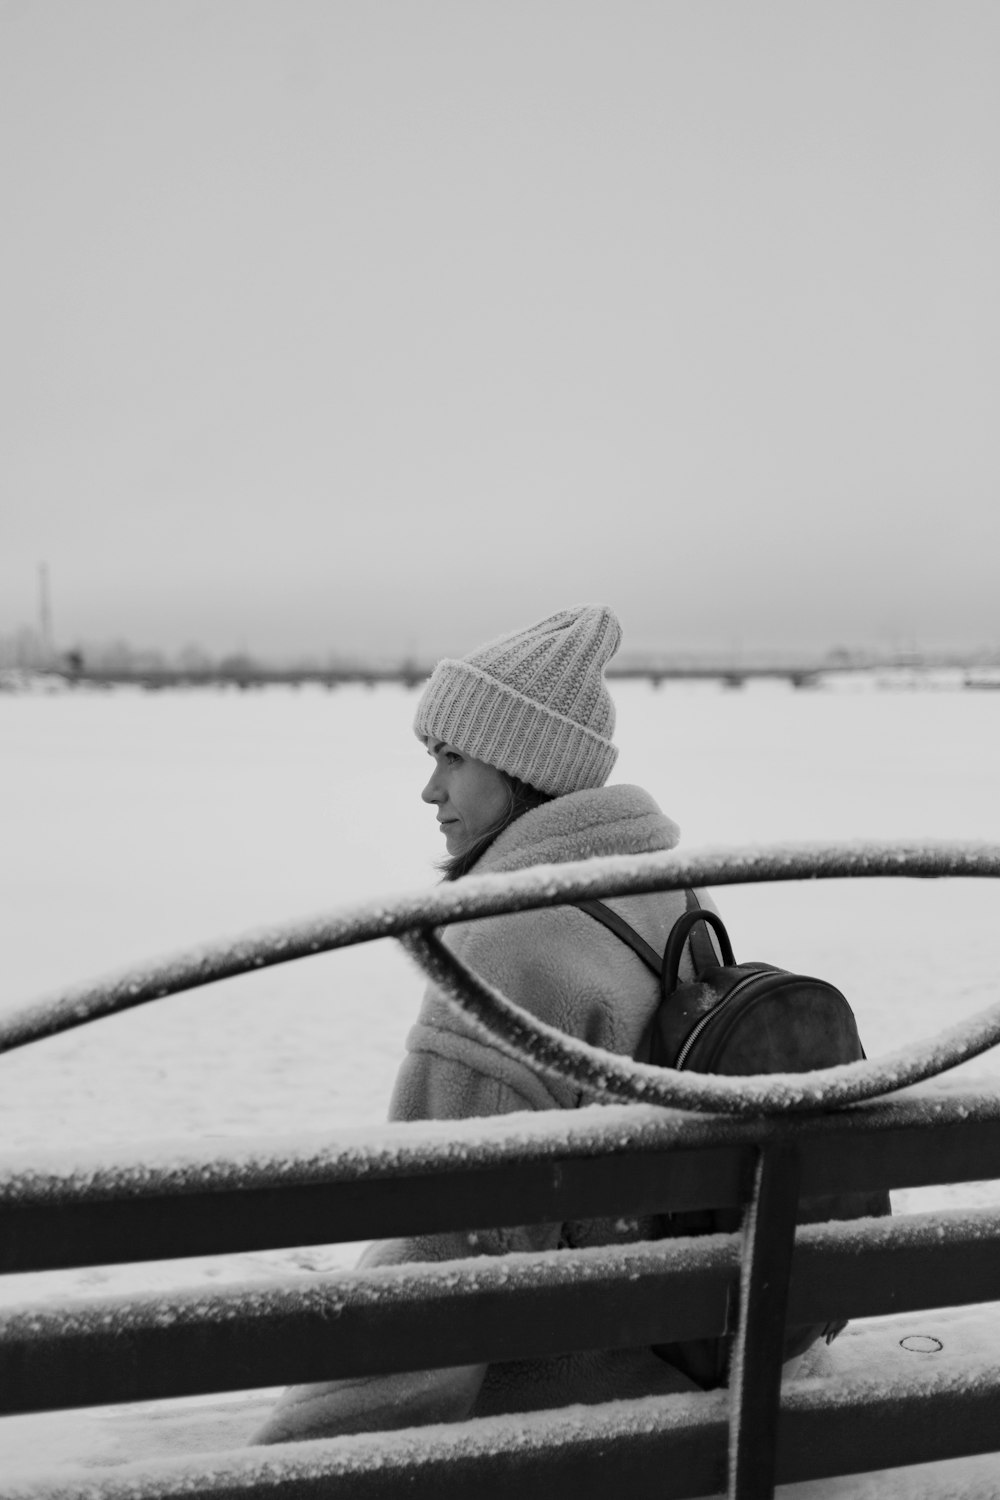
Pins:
<point x="392" y="324"/>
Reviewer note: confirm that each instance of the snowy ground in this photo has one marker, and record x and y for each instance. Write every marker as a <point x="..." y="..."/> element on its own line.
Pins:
<point x="140" y="823"/>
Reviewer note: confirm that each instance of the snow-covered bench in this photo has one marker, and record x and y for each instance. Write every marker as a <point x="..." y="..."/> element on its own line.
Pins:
<point x="879" y="1405"/>
<point x="893" y="1391"/>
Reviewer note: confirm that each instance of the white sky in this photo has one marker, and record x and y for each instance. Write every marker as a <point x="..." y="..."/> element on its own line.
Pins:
<point x="395" y="323"/>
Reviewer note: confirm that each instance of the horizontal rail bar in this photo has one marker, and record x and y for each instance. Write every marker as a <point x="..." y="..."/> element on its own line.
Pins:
<point x="323" y="1327"/>
<point x="419" y="1179"/>
<point x="876" y="1267"/>
<point x="460" y="1312"/>
<point x="671" y="1448"/>
<point x="47" y="1236"/>
<point x="827" y="1429"/>
<point x="482" y="896"/>
<point x="420" y="1147"/>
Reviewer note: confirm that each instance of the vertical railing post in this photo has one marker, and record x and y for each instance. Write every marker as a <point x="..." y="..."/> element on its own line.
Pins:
<point x="755" y="1370"/>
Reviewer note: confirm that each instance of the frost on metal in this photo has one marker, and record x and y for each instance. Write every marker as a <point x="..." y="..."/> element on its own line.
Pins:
<point x="326" y="1296"/>
<point x="934" y="1230"/>
<point x="569" y="1434"/>
<point x="415" y="1148"/>
<point x="387" y="1287"/>
<point x="572" y="1432"/>
<point x="482" y="896"/>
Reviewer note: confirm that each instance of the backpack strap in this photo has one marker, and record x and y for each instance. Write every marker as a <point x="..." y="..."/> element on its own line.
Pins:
<point x="703" y="955"/>
<point x="621" y="929"/>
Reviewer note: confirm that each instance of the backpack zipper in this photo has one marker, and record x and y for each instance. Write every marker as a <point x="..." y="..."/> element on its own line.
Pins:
<point x="710" y="1016"/>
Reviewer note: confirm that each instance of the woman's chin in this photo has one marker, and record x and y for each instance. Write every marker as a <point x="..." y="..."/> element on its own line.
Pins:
<point x="456" y="841"/>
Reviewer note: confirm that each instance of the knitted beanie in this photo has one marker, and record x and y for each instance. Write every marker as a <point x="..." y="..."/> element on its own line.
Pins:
<point x="533" y="703"/>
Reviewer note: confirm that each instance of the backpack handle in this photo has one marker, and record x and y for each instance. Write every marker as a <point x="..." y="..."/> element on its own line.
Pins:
<point x="678" y="937"/>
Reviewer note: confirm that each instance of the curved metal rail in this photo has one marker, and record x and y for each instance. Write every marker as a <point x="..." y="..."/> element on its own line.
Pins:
<point x="411" y="917"/>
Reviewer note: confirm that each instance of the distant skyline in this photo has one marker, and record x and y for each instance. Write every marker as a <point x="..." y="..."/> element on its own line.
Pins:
<point x="382" y="328"/>
<point x="28" y="648"/>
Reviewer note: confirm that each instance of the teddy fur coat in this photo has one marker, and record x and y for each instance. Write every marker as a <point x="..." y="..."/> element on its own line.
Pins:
<point x="558" y="963"/>
<point x="570" y="972"/>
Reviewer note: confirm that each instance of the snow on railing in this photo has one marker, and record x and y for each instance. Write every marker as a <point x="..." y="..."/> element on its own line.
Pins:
<point x="601" y="1075"/>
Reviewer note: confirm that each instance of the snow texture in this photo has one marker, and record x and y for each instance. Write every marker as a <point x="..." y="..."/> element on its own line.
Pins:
<point x="414" y="1148"/>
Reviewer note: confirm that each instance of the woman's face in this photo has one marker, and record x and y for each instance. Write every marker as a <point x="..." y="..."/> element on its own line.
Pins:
<point x="470" y="796"/>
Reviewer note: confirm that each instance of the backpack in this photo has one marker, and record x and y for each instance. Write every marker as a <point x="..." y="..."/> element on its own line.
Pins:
<point x="740" y="1019"/>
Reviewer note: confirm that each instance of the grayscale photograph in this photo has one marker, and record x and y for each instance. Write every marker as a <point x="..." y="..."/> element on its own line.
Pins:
<point x="499" y="749"/>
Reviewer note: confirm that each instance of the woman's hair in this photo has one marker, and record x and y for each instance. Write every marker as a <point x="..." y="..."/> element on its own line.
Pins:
<point x="521" y="798"/>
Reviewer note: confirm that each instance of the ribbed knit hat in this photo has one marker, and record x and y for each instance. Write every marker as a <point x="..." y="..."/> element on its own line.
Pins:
<point x="533" y="703"/>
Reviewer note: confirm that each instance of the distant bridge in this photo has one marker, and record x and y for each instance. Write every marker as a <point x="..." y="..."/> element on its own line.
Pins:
<point x="730" y="674"/>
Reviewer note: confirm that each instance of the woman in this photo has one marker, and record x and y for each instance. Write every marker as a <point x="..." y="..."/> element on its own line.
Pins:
<point x="519" y="734"/>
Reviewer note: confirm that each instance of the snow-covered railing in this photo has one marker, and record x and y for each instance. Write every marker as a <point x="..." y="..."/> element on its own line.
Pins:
<point x="773" y="1149"/>
<point x="413" y="918"/>
<point x="432" y="1177"/>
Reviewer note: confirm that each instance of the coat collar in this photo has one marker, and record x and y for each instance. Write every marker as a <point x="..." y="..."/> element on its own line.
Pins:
<point x="602" y="820"/>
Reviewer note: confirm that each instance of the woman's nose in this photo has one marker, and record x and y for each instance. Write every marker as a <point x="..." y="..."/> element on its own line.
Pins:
<point x="433" y="792"/>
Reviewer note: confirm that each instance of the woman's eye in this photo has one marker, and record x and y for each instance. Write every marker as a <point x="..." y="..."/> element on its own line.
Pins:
<point x="452" y="758"/>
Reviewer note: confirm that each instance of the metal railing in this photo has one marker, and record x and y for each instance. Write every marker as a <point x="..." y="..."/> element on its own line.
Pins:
<point x="745" y="1141"/>
<point x="413" y="918"/>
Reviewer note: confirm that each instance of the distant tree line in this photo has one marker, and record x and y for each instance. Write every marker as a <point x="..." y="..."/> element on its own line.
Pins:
<point x="26" y="650"/>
